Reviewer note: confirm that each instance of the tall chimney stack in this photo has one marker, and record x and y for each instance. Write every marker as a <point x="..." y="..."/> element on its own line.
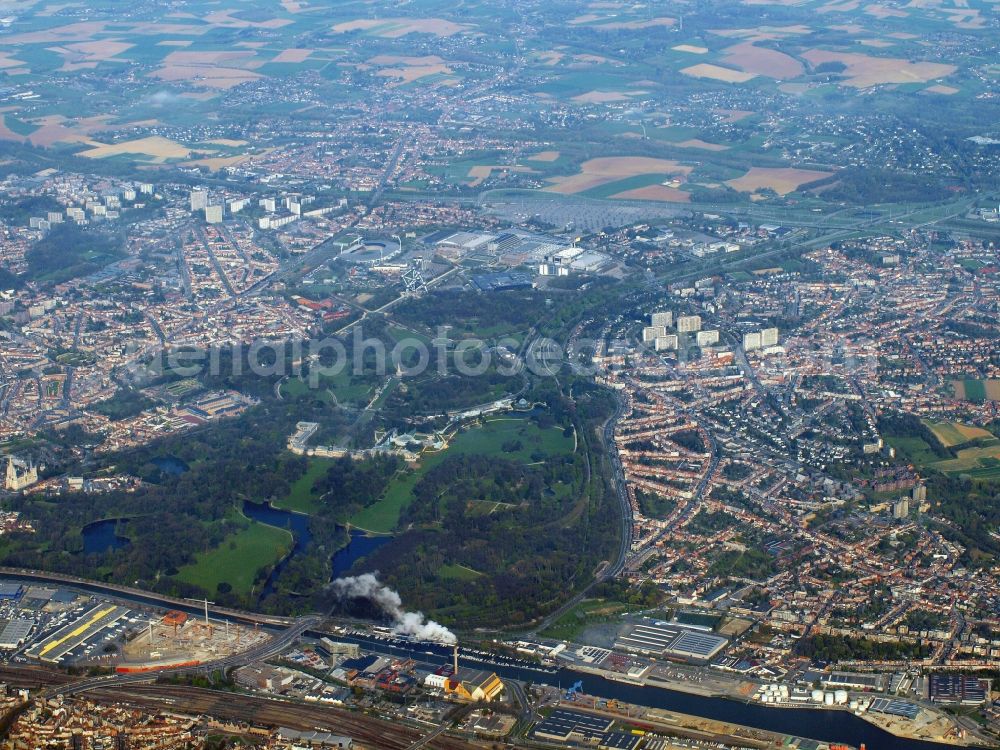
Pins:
<point x="456" y="661"/>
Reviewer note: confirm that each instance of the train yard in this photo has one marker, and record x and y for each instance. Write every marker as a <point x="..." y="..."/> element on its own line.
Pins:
<point x="247" y="710"/>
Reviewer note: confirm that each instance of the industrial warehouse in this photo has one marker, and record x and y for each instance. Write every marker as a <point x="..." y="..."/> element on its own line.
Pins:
<point x="567" y="726"/>
<point x="670" y="640"/>
<point x="76" y="633"/>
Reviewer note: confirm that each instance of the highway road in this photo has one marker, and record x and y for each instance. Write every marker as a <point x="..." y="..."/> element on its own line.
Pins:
<point x="390" y="167"/>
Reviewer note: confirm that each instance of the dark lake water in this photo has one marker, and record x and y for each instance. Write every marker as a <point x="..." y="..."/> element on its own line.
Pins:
<point x="297" y="523"/>
<point x="101" y="536"/>
<point x="171" y="465"/>
<point x="359" y="546"/>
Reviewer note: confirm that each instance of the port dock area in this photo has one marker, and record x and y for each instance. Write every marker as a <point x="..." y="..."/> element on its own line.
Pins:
<point x="692" y="731"/>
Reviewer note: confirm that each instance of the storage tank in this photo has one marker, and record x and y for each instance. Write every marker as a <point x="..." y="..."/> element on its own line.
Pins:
<point x="828" y="699"/>
<point x="840" y="697"/>
<point x="783" y="691"/>
<point x="817" y="696"/>
<point x="853" y="705"/>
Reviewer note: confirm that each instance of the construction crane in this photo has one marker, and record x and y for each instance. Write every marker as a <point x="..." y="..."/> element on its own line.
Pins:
<point x="206" y="602"/>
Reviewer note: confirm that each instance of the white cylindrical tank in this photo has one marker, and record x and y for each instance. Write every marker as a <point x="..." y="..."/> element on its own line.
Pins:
<point x="783" y="691"/>
<point x="828" y="699"/>
<point x="817" y="696"/>
<point x="840" y="697"/>
<point x="853" y="705"/>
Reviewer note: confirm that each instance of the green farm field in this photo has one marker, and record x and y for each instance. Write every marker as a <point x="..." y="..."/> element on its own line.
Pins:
<point x="956" y="433"/>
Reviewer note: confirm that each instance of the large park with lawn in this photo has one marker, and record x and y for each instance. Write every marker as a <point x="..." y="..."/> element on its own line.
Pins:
<point x="514" y="438"/>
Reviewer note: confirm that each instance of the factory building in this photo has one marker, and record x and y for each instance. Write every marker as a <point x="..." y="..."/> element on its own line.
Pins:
<point x="474" y="686"/>
<point x="480" y="685"/>
<point x="670" y="640"/>
<point x="15" y="633"/>
<point x="563" y="725"/>
<point x="11" y="591"/>
<point x="964" y="689"/>
<point x="332" y="648"/>
<point x="77" y="632"/>
<point x="263" y="677"/>
<point x="847" y="680"/>
<point x="315" y="738"/>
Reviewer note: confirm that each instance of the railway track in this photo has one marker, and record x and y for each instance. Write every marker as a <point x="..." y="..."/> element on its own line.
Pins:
<point x="33" y="677"/>
<point x="367" y="731"/>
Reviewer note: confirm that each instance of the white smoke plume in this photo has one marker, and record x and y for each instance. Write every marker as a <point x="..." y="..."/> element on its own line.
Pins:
<point x="412" y="624"/>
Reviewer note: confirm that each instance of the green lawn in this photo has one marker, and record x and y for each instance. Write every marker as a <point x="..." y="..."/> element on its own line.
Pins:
<point x="970" y="264"/>
<point x="457" y="572"/>
<point x="401" y="334"/>
<point x="913" y="449"/>
<point x="487" y="439"/>
<point x="300" y="497"/>
<point x="339" y="386"/>
<point x="239" y="557"/>
<point x="490" y="438"/>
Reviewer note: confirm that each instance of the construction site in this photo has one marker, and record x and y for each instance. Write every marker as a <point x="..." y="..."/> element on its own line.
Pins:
<point x="178" y="639"/>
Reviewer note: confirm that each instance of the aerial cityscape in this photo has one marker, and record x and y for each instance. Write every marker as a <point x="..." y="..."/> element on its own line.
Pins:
<point x="502" y="373"/>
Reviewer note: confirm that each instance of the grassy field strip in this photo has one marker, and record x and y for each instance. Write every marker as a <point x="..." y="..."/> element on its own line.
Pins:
<point x="238" y="558"/>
